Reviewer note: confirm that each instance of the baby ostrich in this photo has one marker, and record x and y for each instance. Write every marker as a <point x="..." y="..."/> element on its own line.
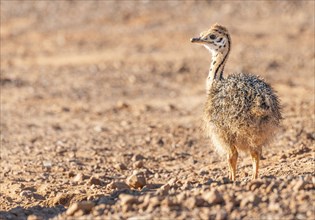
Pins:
<point x="241" y="112"/>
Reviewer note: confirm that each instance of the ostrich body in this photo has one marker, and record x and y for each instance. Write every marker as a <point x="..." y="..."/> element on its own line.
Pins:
<point x="241" y="112"/>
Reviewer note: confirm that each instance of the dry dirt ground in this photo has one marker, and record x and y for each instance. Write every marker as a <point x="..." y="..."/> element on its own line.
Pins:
<point x="101" y="108"/>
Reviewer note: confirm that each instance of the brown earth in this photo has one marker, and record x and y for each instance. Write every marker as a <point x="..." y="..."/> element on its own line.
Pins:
<point x="101" y="108"/>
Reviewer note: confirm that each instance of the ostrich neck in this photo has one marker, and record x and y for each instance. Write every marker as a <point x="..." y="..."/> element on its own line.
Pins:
<point x="216" y="67"/>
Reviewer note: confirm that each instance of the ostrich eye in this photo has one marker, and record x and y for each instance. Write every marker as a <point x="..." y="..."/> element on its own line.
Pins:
<point x="212" y="37"/>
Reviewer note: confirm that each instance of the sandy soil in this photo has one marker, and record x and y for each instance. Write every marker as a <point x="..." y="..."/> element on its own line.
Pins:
<point x="101" y="108"/>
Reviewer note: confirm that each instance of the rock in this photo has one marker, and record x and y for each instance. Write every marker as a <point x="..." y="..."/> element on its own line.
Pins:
<point x="136" y="181"/>
<point x="122" y="105"/>
<point x="117" y="185"/>
<point x="71" y="174"/>
<point x="271" y="187"/>
<point x="98" y="128"/>
<point x="250" y="199"/>
<point x="127" y="199"/>
<point x="47" y="164"/>
<point x="186" y="185"/>
<point x="84" y="207"/>
<point x="137" y="157"/>
<point x="34" y="217"/>
<point x="182" y="196"/>
<point x="254" y="184"/>
<point x="273" y="206"/>
<point x="106" y="200"/>
<point x="164" y="189"/>
<point x="224" y="180"/>
<point x="62" y="199"/>
<point x="79" y="178"/>
<point x="203" y="171"/>
<point x="299" y="185"/>
<point x="221" y="215"/>
<point x="213" y="197"/>
<point x="138" y="164"/>
<point x="121" y="166"/>
<point x="172" y="182"/>
<point x="153" y="202"/>
<point x="94" y="181"/>
<point x="193" y="202"/>
<point x="209" y="182"/>
<point x="27" y="194"/>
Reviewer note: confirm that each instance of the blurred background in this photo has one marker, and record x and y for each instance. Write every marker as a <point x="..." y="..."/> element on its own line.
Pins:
<point x="101" y="81"/>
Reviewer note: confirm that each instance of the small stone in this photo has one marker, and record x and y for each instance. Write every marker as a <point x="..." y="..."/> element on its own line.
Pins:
<point x="62" y="199"/>
<point x="186" y="185"/>
<point x="137" y="157"/>
<point x="138" y="164"/>
<point x="224" y="180"/>
<point x="172" y="182"/>
<point x="117" y="185"/>
<point x="193" y="202"/>
<point x="153" y="202"/>
<point x="299" y="185"/>
<point x="34" y="217"/>
<point x="47" y="164"/>
<point x="250" y="199"/>
<point x="79" y="213"/>
<point x="106" y="200"/>
<point x="121" y="166"/>
<point x="85" y="207"/>
<point x="164" y="189"/>
<point x="273" y="206"/>
<point x="127" y="199"/>
<point x="136" y="181"/>
<point x="254" y="184"/>
<point x="71" y="174"/>
<point x="213" y="197"/>
<point x="94" y="181"/>
<point x="26" y="193"/>
<point x="98" y="128"/>
<point x="122" y="105"/>
<point x="203" y="171"/>
<point x="79" y="178"/>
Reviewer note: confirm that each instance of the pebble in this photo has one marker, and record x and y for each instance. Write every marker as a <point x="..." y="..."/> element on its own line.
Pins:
<point x="47" y="163"/>
<point x="299" y="185"/>
<point x="250" y="199"/>
<point x="273" y="206"/>
<point x="136" y="181"/>
<point x="213" y="197"/>
<point x="117" y="185"/>
<point x="254" y="184"/>
<point x="138" y="164"/>
<point x="94" y="181"/>
<point x="34" y="217"/>
<point x="79" y="178"/>
<point x="195" y="201"/>
<point x="203" y="171"/>
<point x="62" y="199"/>
<point x="137" y="157"/>
<point x="121" y="166"/>
<point x="84" y="207"/>
<point x="127" y="199"/>
<point x="26" y="193"/>
<point x="164" y="189"/>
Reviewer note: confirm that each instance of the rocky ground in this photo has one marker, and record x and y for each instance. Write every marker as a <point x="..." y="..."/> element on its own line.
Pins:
<point x="101" y="108"/>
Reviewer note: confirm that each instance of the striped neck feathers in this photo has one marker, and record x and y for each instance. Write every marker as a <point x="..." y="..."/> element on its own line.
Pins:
<point x="219" y="58"/>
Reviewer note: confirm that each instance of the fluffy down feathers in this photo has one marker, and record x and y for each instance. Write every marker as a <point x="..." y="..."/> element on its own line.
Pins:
<point x="242" y="111"/>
